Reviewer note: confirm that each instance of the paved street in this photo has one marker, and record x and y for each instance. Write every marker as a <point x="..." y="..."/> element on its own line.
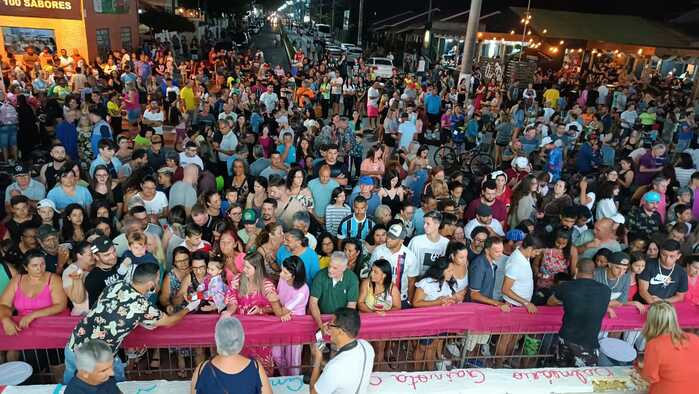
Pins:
<point x="265" y="41"/>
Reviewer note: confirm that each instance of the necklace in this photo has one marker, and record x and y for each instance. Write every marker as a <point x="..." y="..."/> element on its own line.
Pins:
<point x="606" y="281"/>
<point x="665" y="278"/>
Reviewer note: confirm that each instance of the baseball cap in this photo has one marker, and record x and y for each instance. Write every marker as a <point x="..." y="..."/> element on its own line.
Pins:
<point x="651" y="197"/>
<point x="366" y="180"/>
<point x="484" y="210"/>
<point x="46" y="230"/>
<point x="618" y="218"/>
<point x="619" y="258"/>
<point x="249" y="216"/>
<point x="520" y="162"/>
<point x="396" y="231"/>
<point x="21" y="170"/>
<point x="515" y="235"/>
<point x="545" y="141"/>
<point x="166" y="170"/>
<point x="46" y="203"/>
<point x="101" y="245"/>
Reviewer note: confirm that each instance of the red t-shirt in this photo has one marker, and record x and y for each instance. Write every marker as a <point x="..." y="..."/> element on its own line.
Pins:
<point x="499" y="210"/>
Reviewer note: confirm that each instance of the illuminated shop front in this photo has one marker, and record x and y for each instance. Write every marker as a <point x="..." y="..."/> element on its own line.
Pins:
<point x="92" y="27"/>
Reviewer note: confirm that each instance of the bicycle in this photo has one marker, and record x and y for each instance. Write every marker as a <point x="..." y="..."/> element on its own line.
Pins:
<point x="475" y="160"/>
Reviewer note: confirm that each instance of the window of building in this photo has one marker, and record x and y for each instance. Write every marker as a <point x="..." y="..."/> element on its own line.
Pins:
<point x="126" y="38"/>
<point x="103" y="43"/>
<point x="111" y="6"/>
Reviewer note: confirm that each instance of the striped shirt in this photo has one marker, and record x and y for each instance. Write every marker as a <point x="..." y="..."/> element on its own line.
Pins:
<point x="350" y="228"/>
<point x="333" y="217"/>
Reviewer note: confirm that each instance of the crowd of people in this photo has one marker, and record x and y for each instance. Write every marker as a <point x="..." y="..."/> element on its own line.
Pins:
<point x="231" y="186"/>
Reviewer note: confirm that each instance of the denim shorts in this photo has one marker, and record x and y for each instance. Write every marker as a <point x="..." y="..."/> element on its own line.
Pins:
<point x="8" y="136"/>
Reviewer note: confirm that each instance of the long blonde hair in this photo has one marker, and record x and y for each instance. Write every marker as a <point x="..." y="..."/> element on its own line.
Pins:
<point x="662" y="319"/>
<point x="256" y="260"/>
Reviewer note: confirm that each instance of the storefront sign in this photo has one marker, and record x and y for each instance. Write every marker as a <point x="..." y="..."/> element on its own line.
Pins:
<point x="54" y="9"/>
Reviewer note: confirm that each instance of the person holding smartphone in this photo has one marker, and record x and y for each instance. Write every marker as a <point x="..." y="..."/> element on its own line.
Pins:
<point x="349" y="371"/>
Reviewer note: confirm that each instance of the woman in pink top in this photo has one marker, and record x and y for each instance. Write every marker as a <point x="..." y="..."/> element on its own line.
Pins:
<point x="293" y="295"/>
<point x="36" y="294"/>
<point x="692" y="295"/>
<point x="374" y="165"/>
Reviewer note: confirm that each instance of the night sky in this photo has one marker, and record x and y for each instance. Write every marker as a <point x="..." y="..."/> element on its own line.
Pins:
<point x="662" y="9"/>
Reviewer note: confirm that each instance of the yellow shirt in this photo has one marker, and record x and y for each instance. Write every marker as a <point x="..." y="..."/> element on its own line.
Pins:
<point x="113" y="109"/>
<point x="551" y="96"/>
<point x="190" y="100"/>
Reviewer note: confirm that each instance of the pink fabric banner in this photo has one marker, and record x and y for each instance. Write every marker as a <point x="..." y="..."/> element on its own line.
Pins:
<point x="196" y="330"/>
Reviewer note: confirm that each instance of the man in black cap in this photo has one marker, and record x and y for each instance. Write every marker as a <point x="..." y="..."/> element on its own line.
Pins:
<point x="484" y="217"/>
<point x="24" y="185"/>
<point x="615" y="276"/>
<point x="105" y="272"/>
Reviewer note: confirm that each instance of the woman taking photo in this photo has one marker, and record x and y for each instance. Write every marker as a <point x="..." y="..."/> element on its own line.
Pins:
<point x="298" y="188"/>
<point x="392" y="193"/>
<point x="251" y="293"/>
<point x="378" y="295"/>
<point x="524" y="199"/>
<point x="293" y="296"/>
<point x="228" y="369"/>
<point x="374" y="165"/>
<point x="669" y="363"/>
<point x="268" y="243"/>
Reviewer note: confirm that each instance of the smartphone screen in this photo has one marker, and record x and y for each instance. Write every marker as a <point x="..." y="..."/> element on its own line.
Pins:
<point x="320" y="343"/>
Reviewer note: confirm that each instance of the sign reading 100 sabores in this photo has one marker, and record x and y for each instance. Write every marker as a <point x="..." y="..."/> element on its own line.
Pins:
<point x="55" y="9"/>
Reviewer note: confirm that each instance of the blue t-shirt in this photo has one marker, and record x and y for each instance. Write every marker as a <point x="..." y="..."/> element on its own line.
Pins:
<point x="291" y="157"/>
<point x="310" y="261"/>
<point x="321" y="194"/>
<point x="433" y="104"/>
<point x="61" y="199"/>
<point x="407" y="130"/>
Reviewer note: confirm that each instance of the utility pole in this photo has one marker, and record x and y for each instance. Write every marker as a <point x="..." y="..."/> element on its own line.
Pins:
<point x="474" y="17"/>
<point x="360" y="23"/>
<point x="332" y="17"/>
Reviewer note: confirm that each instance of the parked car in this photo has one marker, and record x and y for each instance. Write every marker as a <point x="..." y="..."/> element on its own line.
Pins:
<point x="353" y="52"/>
<point x="383" y="67"/>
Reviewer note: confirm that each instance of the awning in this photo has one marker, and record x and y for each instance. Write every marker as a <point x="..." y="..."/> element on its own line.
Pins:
<point x="622" y="29"/>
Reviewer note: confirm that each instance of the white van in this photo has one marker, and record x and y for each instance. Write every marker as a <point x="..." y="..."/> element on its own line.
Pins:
<point x="323" y="31"/>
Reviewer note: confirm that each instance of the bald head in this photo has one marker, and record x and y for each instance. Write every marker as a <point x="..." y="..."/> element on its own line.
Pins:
<point x="604" y="229"/>
<point x="190" y="173"/>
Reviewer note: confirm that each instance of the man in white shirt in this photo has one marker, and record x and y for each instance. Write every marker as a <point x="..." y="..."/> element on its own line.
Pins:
<point x="154" y="117"/>
<point x="484" y="217"/>
<point x="403" y="260"/>
<point x="270" y="99"/>
<point x="349" y="371"/>
<point x="189" y="156"/>
<point x="518" y="288"/>
<point x="431" y="245"/>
